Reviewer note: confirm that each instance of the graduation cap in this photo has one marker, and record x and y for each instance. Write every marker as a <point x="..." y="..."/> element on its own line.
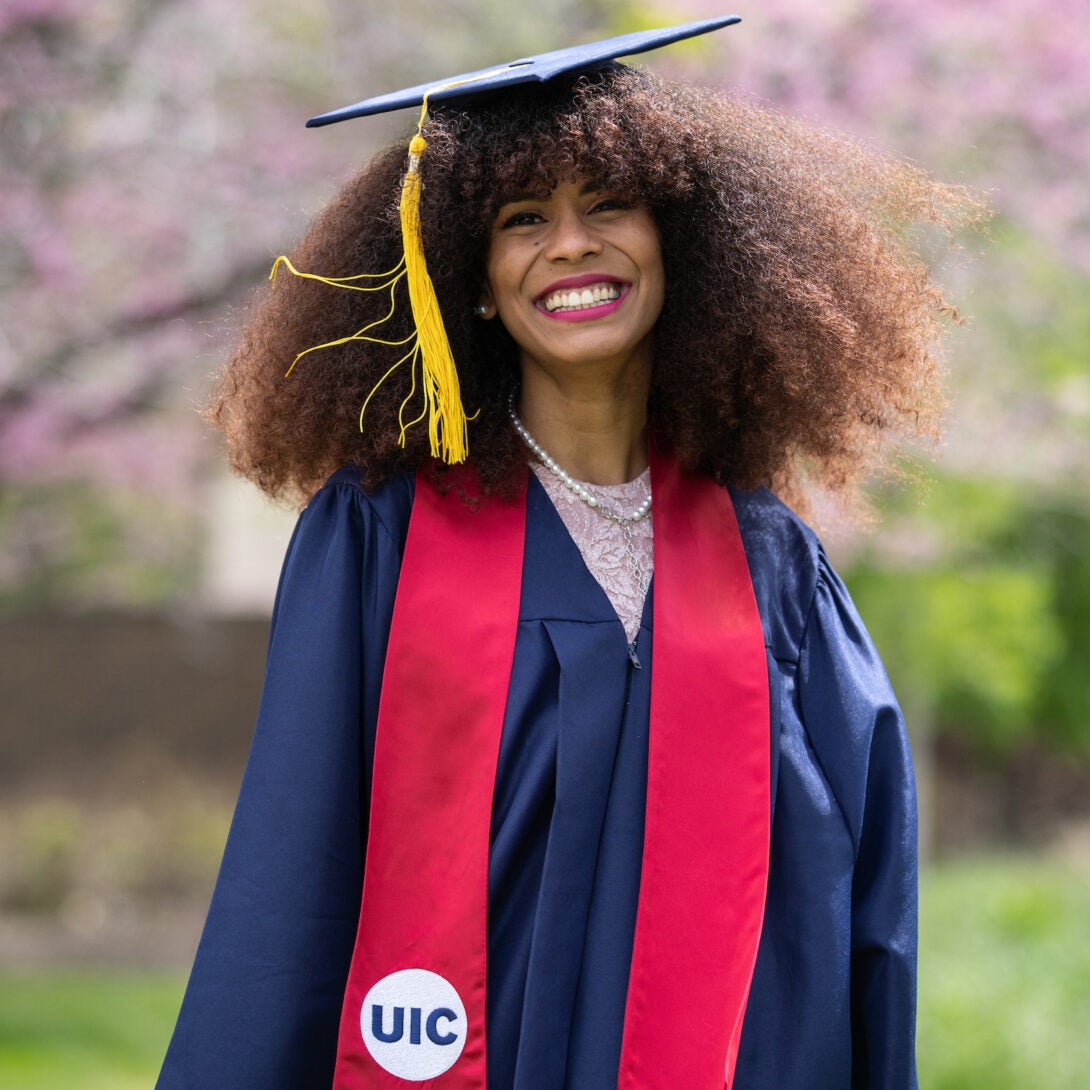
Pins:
<point x="539" y="69"/>
<point x="430" y="347"/>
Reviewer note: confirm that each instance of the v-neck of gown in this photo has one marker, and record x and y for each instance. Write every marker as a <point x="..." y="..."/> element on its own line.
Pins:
<point x="603" y="543"/>
<point x="567" y="825"/>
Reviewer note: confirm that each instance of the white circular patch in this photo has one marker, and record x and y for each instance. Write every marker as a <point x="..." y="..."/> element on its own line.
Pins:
<point x="414" y="1024"/>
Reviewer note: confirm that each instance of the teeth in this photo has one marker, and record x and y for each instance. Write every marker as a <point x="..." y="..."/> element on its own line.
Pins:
<point x="581" y="299"/>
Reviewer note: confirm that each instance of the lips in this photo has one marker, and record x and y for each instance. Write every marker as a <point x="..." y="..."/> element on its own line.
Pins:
<point x="582" y="298"/>
<point x="580" y="293"/>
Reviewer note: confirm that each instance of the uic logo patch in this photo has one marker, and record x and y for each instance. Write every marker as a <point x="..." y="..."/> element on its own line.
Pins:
<point x="414" y="1024"/>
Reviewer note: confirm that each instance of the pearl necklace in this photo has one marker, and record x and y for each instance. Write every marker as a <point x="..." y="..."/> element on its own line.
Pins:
<point x="624" y="521"/>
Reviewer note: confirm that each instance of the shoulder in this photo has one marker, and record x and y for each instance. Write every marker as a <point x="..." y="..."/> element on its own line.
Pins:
<point x="834" y="687"/>
<point x="786" y="565"/>
<point x="343" y="499"/>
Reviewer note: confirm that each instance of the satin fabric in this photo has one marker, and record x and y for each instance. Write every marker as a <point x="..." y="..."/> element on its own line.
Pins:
<point x="441" y="714"/>
<point x="708" y="790"/>
<point x="833" y="994"/>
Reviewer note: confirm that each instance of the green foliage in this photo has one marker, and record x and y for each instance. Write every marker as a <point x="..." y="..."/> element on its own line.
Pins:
<point x="1062" y="533"/>
<point x="56" y="856"/>
<point x="72" y="545"/>
<point x="974" y="643"/>
<point x="1035" y="310"/>
<point x="989" y="630"/>
<point x="40" y="858"/>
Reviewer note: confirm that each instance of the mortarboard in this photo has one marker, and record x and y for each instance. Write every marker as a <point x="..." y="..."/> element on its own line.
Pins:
<point x="539" y="69"/>
<point x="439" y="377"/>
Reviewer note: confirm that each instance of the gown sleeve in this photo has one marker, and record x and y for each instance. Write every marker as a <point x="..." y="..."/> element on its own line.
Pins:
<point x="263" y="1001"/>
<point x="858" y="733"/>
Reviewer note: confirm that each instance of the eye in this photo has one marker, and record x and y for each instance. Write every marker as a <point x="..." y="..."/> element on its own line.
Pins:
<point x="525" y="218"/>
<point x="613" y="204"/>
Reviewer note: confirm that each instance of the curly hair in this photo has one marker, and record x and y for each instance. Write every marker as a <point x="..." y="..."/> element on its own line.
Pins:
<point x="799" y="329"/>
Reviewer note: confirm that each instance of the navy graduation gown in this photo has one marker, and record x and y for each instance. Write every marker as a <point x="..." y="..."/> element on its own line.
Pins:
<point x="833" y="994"/>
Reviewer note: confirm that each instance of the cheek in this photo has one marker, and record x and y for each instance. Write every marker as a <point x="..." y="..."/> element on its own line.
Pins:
<point x="493" y="269"/>
<point x="646" y="252"/>
<point x="503" y="279"/>
<point x="655" y="277"/>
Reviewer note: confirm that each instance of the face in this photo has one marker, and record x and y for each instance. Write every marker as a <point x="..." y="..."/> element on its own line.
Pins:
<point x="575" y="275"/>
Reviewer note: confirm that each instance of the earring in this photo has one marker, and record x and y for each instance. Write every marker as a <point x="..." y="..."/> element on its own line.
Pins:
<point x="480" y="310"/>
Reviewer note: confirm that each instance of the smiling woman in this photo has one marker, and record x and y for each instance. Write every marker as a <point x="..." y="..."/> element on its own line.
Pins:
<point x="575" y="766"/>
<point x="798" y="324"/>
<point x="576" y="278"/>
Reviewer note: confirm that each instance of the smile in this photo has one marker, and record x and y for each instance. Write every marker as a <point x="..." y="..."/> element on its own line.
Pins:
<point x="582" y="298"/>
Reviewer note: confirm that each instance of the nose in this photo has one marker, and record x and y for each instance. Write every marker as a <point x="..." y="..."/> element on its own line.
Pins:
<point x="572" y="237"/>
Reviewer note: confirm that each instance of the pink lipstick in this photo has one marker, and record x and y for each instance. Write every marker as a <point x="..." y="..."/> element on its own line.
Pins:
<point x="582" y="298"/>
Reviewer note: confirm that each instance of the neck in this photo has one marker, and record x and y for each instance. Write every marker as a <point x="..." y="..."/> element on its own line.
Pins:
<point x="597" y="432"/>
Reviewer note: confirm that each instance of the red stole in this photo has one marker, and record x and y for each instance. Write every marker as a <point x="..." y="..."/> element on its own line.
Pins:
<point x="414" y="1008"/>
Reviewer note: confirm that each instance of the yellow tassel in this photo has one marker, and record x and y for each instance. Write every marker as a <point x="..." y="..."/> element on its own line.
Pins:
<point x="388" y="282"/>
<point x="447" y="420"/>
<point x="447" y="431"/>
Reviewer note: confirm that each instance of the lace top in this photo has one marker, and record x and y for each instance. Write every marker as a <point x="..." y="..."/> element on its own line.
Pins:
<point x="602" y="541"/>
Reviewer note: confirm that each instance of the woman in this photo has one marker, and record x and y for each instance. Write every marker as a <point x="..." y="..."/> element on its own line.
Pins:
<point x="593" y="857"/>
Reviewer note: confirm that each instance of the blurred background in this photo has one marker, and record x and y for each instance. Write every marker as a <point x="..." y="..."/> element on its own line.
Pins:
<point x="153" y="164"/>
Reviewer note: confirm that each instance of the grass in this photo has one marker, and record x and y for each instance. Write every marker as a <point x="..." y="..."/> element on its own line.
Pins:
<point x="1004" y="997"/>
<point x="1005" y="976"/>
<point x="92" y="1030"/>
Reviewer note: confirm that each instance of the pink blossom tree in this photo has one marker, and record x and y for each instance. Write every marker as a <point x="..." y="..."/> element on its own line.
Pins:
<point x="154" y="164"/>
